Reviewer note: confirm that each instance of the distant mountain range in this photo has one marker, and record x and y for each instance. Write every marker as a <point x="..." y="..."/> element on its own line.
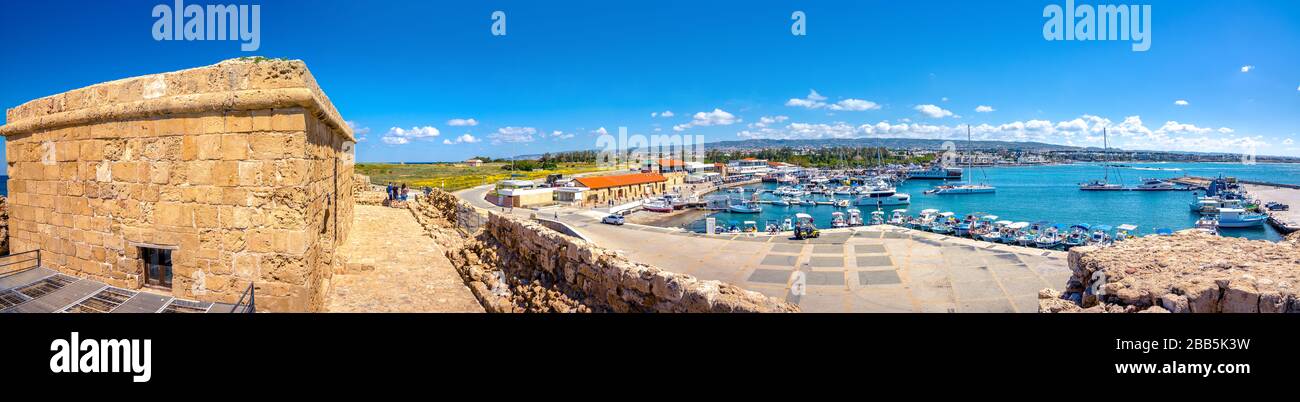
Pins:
<point x="895" y="143"/>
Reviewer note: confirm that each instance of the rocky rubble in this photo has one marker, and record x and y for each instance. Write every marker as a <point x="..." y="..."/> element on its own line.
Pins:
<point x="516" y="265"/>
<point x="1183" y="273"/>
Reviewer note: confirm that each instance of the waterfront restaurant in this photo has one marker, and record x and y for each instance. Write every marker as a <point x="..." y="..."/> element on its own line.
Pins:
<point x="621" y="188"/>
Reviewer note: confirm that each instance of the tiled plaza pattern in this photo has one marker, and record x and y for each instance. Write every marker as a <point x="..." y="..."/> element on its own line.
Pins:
<point x="863" y="269"/>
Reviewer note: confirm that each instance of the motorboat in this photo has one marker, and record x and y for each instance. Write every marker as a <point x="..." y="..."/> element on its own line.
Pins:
<point x="898" y="217"/>
<point x="880" y="197"/>
<point x="994" y="233"/>
<point x="837" y="220"/>
<point x="844" y="190"/>
<point x="1124" y="232"/>
<point x="749" y="227"/>
<point x="1100" y="236"/>
<point x="1013" y="232"/>
<point x="943" y="223"/>
<point x="787" y="225"/>
<point x="1049" y="238"/>
<point x="1155" y="185"/>
<point x="1026" y="237"/>
<point x="1007" y="234"/>
<point x="855" y="217"/>
<point x="842" y="203"/>
<point x="747" y="207"/>
<point x="963" y="229"/>
<point x="1239" y="218"/>
<point x="877" y="217"/>
<point x="1208" y="224"/>
<point x="657" y="205"/>
<point x="676" y="200"/>
<point x="1077" y="236"/>
<point x="781" y="202"/>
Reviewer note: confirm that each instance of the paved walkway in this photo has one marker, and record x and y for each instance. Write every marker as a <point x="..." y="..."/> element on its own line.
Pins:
<point x="863" y="269"/>
<point x="395" y="267"/>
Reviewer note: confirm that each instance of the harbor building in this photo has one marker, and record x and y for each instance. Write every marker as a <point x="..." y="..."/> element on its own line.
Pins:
<point x="604" y="189"/>
<point x="208" y="183"/>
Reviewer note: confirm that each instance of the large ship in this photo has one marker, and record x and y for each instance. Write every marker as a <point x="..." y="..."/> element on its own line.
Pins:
<point x="935" y="172"/>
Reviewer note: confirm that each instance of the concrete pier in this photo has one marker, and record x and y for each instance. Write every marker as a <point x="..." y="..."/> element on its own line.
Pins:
<point x="1283" y="221"/>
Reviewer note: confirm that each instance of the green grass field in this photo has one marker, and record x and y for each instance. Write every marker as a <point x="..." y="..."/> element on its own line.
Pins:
<point x="454" y="177"/>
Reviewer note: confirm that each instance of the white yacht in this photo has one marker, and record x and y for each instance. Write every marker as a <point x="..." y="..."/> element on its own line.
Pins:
<point x="880" y="197"/>
<point x="1154" y="185"/>
<point x="935" y="172"/>
<point x="963" y="188"/>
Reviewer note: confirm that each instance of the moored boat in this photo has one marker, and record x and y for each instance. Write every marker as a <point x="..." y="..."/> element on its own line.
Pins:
<point x="1239" y="218"/>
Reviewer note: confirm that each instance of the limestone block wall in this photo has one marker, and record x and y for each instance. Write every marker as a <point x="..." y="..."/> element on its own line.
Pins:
<point x="517" y="265"/>
<point x="243" y="169"/>
<point x="1183" y="273"/>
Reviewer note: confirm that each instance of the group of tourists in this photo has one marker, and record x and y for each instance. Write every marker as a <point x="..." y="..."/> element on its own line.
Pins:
<point x="400" y="192"/>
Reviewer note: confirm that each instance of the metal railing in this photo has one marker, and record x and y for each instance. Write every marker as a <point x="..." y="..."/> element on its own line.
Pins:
<point x="249" y="295"/>
<point x="9" y="261"/>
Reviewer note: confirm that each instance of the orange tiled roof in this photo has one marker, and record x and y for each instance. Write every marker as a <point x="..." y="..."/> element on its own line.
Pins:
<point x="600" y="182"/>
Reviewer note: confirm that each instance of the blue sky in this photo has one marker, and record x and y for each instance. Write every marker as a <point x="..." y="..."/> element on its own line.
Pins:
<point x="726" y="70"/>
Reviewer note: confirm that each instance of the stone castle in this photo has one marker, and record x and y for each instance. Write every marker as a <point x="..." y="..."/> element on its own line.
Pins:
<point x="198" y="183"/>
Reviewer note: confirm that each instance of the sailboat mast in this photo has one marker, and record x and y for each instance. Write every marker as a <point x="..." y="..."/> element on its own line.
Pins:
<point x="1105" y="155"/>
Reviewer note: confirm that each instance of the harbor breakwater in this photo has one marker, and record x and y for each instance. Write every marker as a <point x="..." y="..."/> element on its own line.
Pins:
<point x="513" y="264"/>
<point x="1184" y="273"/>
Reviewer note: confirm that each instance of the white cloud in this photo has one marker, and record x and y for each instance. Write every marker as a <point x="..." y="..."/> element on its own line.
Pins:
<point x="666" y="113"/>
<point x="464" y="138"/>
<point x="717" y="117"/>
<point x="943" y="99"/>
<point x="513" y="134"/>
<point x="398" y="135"/>
<point x="984" y="109"/>
<point x="815" y="100"/>
<point x="1181" y="102"/>
<point x="600" y="131"/>
<point x="1247" y="68"/>
<point x="1297" y="88"/>
<point x="1086" y="130"/>
<point x="933" y="111"/>
<point x="560" y="135"/>
<point x="768" y="120"/>
<point x="462" y="122"/>
<point x="855" y="105"/>
<point x="1288" y="141"/>
<point x="358" y="131"/>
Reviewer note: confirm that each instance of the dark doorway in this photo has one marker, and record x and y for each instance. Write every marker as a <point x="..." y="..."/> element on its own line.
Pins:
<point x="157" y="267"/>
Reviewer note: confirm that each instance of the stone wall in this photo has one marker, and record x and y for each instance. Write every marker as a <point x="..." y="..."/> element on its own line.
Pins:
<point x="4" y="225"/>
<point x="1183" y="273"/>
<point x="516" y="265"/>
<point x="243" y="169"/>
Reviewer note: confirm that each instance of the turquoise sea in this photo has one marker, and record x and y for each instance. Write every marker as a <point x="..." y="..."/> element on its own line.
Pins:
<point x="1050" y="193"/>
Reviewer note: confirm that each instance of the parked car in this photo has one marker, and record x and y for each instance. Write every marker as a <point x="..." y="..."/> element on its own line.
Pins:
<point x="612" y="220"/>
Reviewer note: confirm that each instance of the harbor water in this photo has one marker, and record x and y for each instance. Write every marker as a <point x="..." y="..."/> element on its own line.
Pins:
<point x="1051" y="193"/>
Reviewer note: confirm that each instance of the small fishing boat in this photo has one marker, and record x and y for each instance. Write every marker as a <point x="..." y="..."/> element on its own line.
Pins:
<point x="837" y="220"/>
<point x="1026" y="238"/>
<point x="1078" y="235"/>
<point x="844" y="190"/>
<point x="942" y="224"/>
<point x="877" y="217"/>
<point x="994" y="234"/>
<point x="749" y="227"/>
<point x="1124" y="232"/>
<point x="963" y="229"/>
<point x="787" y="225"/>
<point x="1239" y="218"/>
<point x="1049" y="238"/>
<point x="809" y="202"/>
<point x="1010" y="230"/>
<point x="855" y="217"/>
<point x="898" y="217"/>
<point x="842" y="203"/>
<point x="1208" y="224"/>
<point x="747" y="207"/>
<point x="1100" y="236"/>
<point x="781" y="202"/>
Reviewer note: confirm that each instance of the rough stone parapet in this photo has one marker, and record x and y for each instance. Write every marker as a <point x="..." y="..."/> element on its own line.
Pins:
<point x="1184" y="273"/>
<point x="516" y="265"/>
